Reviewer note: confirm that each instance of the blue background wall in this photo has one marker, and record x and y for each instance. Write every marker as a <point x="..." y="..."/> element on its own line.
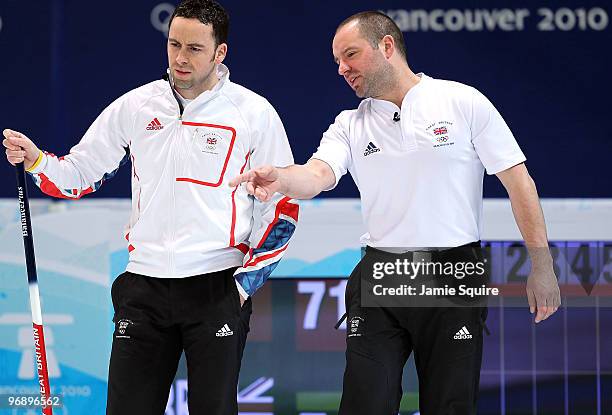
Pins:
<point x="64" y="61"/>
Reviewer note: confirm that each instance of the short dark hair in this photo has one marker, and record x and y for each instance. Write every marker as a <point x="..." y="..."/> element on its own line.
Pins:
<point x="208" y="12"/>
<point x="374" y="25"/>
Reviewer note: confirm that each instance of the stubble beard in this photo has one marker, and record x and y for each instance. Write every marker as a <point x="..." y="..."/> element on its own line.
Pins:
<point x="202" y="82"/>
<point x="379" y="81"/>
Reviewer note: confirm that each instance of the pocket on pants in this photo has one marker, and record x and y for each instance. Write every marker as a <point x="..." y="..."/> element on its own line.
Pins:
<point x="118" y="289"/>
<point x="352" y="294"/>
<point x="245" y="314"/>
<point x="484" y="312"/>
<point x="235" y="295"/>
<point x="117" y="281"/>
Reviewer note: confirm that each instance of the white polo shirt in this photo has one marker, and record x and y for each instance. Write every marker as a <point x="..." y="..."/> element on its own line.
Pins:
<point x="420" y="178"/>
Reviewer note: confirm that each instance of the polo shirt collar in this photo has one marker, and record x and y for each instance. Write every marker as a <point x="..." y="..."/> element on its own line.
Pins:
<point x="389" y="108"/>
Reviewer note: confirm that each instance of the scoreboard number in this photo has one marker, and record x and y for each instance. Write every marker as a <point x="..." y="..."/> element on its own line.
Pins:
<point x="582" y="262"/>
<point x="514" y="274"/>
<point x="317" y="291"/>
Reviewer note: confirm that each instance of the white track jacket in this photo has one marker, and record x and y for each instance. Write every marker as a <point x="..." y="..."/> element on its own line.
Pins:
<point x="185" y="218"/>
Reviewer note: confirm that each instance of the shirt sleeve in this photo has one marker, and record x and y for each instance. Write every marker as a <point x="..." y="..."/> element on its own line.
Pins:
<point x="494" y="142"/>
<point x="95" y="159"/>
<point x="275" y="221"/>
<point x="334" y="148"/>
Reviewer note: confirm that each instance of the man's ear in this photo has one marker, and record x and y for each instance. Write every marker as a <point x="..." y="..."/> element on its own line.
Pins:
<point x="220" y="53"/>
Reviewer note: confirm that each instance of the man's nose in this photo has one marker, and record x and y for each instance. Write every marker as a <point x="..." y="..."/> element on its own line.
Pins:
<point x="181" y="59"/>
<point x="342" y="68"/>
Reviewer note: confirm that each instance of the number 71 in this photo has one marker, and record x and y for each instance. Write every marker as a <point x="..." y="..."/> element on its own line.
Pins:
<point x="317" y="291"/>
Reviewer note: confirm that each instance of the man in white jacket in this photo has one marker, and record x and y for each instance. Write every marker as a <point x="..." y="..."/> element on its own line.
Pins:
<point x="198" y="248"/>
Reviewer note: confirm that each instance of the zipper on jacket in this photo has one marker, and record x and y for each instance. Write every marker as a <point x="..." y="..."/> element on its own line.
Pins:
<point x="171" y="261"/>
<point x="180" y="105"/>
<point x="170" y="81"/>
<point x="171" y="253"/>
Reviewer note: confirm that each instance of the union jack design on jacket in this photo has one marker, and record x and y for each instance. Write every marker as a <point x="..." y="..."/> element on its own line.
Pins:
<point x="185" y="219"/>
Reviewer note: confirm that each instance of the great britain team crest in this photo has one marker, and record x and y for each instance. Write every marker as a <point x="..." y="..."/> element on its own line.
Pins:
<point x="441" y="133"/>
<point x="207" y="140"/>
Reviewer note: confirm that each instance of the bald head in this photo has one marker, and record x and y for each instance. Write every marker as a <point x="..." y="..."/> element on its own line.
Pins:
<point x="374" y="26"/>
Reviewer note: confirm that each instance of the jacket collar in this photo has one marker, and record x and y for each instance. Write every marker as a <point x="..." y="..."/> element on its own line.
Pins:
<point x="223" y="75"/>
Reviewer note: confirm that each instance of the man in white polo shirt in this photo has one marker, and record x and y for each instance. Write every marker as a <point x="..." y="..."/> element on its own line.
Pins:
<point x="417" y="148"/>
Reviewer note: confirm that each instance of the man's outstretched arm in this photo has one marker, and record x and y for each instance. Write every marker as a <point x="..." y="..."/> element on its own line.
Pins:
<point x="296" y="181"/>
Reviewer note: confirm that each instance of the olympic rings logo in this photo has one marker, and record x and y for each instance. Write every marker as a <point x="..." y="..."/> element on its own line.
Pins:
<point x="160" y="17"/>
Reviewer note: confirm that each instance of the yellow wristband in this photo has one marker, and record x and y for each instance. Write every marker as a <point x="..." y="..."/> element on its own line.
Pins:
<point x="37" y="162"/>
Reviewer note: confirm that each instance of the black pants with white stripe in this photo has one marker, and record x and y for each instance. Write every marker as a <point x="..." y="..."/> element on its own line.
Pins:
<point x="155" y="320"/>
<point x="380" y="340"/>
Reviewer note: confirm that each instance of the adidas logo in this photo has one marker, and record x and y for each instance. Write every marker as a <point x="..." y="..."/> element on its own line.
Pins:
<point x="370" y="149"/>
<point x="155" y="125"/>
<point x="462" y="334"/>
<point x="224" y="331"/>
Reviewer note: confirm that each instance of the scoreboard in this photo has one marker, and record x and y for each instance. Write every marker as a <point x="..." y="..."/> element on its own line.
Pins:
<point x="294" y="359"/>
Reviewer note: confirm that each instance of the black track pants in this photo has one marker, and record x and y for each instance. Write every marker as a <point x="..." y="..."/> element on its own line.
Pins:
<point x="155" y="320"/>
<point x="380" y="340"/>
